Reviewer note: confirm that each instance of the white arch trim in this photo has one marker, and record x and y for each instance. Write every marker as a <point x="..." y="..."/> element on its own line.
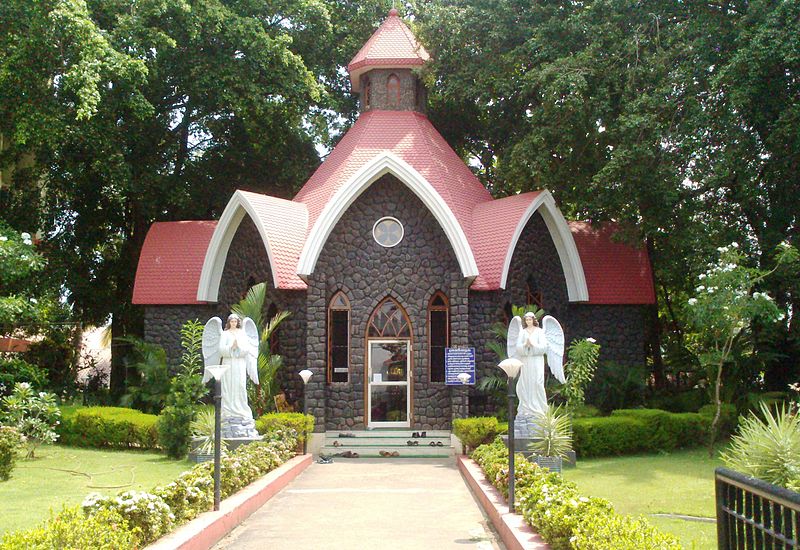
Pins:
<point x="563" y="241"/>
<point x="382" y="164"/>
<point x="217" y="252"/>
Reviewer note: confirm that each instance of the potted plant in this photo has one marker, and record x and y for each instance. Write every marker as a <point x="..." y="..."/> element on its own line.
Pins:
<point x="203" y="437"/>
<point x="554" y="440"/>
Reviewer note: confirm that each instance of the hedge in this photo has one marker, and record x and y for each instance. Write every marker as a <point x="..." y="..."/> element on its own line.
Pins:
<point x="630" y="431"/>
<point x="564" y="518"/>
<point x="301" y="423"/>
<point x="114" y="427"/>
<point x="476" y="431"/>
<point x="134" y="519"/>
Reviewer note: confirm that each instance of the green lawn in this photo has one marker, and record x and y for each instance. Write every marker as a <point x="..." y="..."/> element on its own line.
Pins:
<point x="65" y="475"/>
<point x="681" y="482"/>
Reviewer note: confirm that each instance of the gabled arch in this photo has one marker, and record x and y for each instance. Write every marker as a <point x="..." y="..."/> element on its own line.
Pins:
<point x="562" y="239"/>
<point x="389" y="319"/>
<point x="281" y="225"/>
<point x="386" y="163"/>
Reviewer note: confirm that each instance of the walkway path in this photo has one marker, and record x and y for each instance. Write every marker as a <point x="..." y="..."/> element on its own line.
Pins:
<point x="374" y="504"/>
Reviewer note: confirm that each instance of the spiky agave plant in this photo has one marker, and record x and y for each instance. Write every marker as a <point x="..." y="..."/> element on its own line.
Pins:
<point x="554" y="433"/>
<point x="767" y="447"/>
<point x="203" y="429"/>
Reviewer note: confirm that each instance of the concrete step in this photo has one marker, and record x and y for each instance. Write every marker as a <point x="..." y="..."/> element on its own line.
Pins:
<point x="383" y="440"/>
<point x="387" y="433"/>
<point x="371" y="451"/>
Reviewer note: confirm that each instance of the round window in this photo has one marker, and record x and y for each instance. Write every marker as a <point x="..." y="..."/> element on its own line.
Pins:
<point x="387" y="232"/>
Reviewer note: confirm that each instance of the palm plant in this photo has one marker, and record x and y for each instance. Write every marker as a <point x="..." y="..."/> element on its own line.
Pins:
<point x="252" y="305"/>
<point x="768" y="447"/>
<point x="555" y="434"/>
<point x="203" y="431"/>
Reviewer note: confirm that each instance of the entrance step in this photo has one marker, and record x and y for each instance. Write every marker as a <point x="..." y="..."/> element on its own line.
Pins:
<point x="370" y="444"/>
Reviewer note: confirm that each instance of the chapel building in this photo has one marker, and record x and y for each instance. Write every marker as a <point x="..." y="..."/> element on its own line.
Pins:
<point x="392" y="252"/>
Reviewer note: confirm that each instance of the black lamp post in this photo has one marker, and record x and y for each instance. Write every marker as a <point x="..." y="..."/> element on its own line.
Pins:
<point x="305" y="374"/>
<point x="511" y="367"/>
<point x="217" y="371"/>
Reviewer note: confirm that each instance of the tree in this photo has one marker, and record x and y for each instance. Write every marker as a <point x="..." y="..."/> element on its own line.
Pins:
<point x="726" y="304"/>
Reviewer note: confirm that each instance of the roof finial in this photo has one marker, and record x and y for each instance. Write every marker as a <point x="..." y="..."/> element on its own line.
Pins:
<point x="393" y="11"/>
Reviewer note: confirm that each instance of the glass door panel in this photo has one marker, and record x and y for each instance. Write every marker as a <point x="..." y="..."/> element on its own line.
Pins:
<point x="388" y="399"/>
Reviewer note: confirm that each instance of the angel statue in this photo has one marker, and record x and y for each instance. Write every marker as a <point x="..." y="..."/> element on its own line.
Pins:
<point x="530" y="345"/>
<point x="236" y="346"/>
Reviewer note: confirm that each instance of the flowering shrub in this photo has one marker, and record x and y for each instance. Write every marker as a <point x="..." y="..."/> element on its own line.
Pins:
<point x="553" y="506"/>
<point x="71" y="528"/>
<point x="10" y="445"/>
<point x="34" y="415"/>
<point x="151" y="515"/>
<point x="148" y="516"/>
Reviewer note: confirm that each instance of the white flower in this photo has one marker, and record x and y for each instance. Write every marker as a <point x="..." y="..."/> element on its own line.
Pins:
<point x="34" y="301"/>
<point x="701" y="276"/>
<point x="26" y="237"/>
<point x="722" y="249"/>
<point x="700" y="288"/>
<point x="3" y="238"/>
<point x="734" y="245"/>
<point x="692" y="301"/>
<point x="592" y="340"/>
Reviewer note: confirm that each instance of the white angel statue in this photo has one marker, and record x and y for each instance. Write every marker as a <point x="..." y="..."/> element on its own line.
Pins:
<point x="530" y="344"/>
<point x="236" y="346"/>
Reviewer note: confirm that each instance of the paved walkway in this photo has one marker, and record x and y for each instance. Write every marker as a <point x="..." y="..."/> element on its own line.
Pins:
<point x="353" y="504"/>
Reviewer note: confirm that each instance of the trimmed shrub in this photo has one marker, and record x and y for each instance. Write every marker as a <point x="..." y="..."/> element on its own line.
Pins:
<point x="473" y="432"/>
<point x="684" y="401"/>
<point x="10" y="447"/>
<point x="631" y="431"/>
<point x="71" y="528"/>
<point x="114" y="427"/>
<point x="553" y="507"/>
<point x="301" y="423"/>
<point x="147" y="515"/>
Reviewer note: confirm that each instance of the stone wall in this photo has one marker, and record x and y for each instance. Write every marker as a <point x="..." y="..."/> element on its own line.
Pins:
<point x="411" y="272"/>
<point x="412" y="93"/>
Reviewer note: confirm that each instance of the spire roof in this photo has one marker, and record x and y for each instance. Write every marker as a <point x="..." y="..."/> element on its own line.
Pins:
<point x="392" y="45"/>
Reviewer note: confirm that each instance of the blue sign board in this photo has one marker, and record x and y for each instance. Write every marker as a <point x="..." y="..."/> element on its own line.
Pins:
<point x="456" y="361"/>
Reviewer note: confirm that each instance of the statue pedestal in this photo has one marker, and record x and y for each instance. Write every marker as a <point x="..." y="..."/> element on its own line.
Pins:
<point x="525" y="427"/>
<point x="238" y="427"/>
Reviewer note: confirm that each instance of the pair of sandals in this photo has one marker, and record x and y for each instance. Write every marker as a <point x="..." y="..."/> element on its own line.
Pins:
<point x="347" y="434"/>
<point x="412" y="443"/>
<point x="388" y="454"/>
<point x="419" y="434"/>
<point x="347" y="454"/>
<point x="436" y="444"/>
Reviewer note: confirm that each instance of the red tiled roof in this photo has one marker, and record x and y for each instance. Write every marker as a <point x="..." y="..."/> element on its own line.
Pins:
<point x="14" y="345"/>
<point x="493" y="226"/>
<point x="412" y="138"/>
<point x="285" y="225"/>
<point x="171" y="261"/>
<point x="391" y="45"/>
<point x="616" y="273"/>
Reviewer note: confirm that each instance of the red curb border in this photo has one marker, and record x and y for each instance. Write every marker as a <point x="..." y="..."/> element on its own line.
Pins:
<point x="513" y="531"/>
<point x="209" y="527"/>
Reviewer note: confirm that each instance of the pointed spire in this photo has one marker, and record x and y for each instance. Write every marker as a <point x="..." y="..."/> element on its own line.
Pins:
<point x="392" y="45"/>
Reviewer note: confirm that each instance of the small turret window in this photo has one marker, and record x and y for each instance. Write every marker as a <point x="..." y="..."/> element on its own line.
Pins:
<point x="366" y="93"/>
<point x="393" y="90"/>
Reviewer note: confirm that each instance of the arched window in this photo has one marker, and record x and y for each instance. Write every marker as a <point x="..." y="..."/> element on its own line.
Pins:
<point x="393" y="90"/>
<point x="275" y="337"/>
<point x="339" y="338"/>
<point x="438" y="335"/>
<point x="367" y="92"/>
<point x="389" y="321"/>
<point x="533" y="296"/>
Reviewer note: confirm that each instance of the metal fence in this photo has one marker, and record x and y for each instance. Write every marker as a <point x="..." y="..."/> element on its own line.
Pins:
<point x="754" y="514"/>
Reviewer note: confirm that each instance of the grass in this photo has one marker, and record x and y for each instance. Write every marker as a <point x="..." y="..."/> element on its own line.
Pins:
<point x="681" y="482"/>
<point x="65" y="475"/>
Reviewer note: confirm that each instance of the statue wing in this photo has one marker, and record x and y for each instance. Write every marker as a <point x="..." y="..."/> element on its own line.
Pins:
<point x="514" y="328"/>
<point x="554" y="335"/>
<point x="251" y="331"/>
<point x="212" y="333"/>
